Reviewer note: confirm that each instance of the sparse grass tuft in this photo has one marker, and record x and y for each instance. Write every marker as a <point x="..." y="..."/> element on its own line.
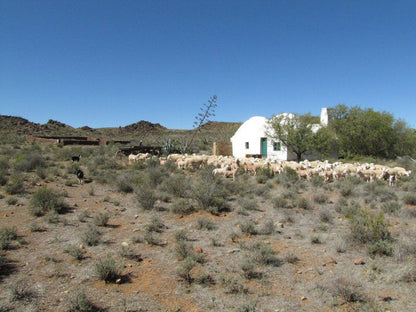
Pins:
<point x="101" y="219"/>
<point x="44" y="200"/>
<point x="91" y="237"/>
<point x="108" y="269"/>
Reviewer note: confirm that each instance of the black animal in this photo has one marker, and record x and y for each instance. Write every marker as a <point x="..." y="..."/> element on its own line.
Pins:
<point x="76" y="158"/>
<point x="80" y="175"/>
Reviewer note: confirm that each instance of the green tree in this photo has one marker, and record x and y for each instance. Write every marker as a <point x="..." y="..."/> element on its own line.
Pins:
<point x="370" y="133"/>
<point x="295" y="132"/>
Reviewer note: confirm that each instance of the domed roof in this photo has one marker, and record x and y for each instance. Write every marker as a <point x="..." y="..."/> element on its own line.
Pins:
<point x="255" y="126"/>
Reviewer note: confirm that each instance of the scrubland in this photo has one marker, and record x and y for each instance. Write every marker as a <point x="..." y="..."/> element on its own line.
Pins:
<point x="151" y="237"/>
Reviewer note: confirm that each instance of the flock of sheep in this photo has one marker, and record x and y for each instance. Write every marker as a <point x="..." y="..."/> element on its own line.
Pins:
<point x="228" y="167"/>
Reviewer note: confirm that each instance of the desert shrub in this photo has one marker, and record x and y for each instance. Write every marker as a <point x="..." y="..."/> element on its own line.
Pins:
<point x="182" y="206"/>
<point x="263" y="254"/>
<point x="289" y="175"/>
<point x="249" y="269"/>
<point x="380" y="247"/>
<point x="320" y="198"/>
<point x="303" y="203"/>
<point x="316" y="239"/>
<point x="268" y="227"/>
<point x="155" y="225"/>
<point x="124" y="183"/>
<point x="247" y="203"/>
<point x="247" y="307"/>
<point x="409" y="199"/>
<point x="346" y="188"/>
<point x="28" y="162"/>
<point x="264" y="174"/>
<point x="405" y="249"/>
<point x="234" y="236"/>
<point x="146" y="197"/>
<point x="281" y="202"/>
<point x="317" y="180"/>
<point x="348" y="290"/>
<point x="203" y="223"/>
<point x="291" y="258"/>
<point x="11" y="200"/>
<point x="128" y="253"/>
<point x="248" y="227"/>
<point x="369" y="228"/>
<point x="22" y="291"/>
<point x="80" y="303"/>
<point x="180" y="235"/>
<point x="101" y="219"/>
<point x="347" y="208"/>
<point x="44" y="200"/>
<point x="3" y="178"/>
<point x="232" y="285"/>
<point x="391" y="207"/>
<point x="34" y="227"/>
<point x="75" y="251"/>
<point x="177" y="184"/>
<point x="209" y="192"/>
<point x="83" y="215"/>
<point x="156" y="175"/>
<point x="151" y="239"/>
<point x="4" y="164"/>
<point x="184" y="250"/>
<point x="325" y="216"/>
<point x="184" y="269"/>
<point x="108" y="269"/>
<point x="91" y="237"/>
<point x="7" y="235"/>
<point x="15" y="186"/>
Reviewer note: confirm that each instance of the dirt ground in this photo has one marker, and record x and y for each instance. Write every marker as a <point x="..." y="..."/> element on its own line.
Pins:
<point x="312" y="263"/>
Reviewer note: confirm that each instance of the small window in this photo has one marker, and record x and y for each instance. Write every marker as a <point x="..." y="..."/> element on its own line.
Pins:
<point x="247" y="145"/>
<point x="276" y="146"/>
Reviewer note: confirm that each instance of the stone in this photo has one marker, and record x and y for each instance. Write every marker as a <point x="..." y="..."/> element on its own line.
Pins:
<point x="359" y="261"/>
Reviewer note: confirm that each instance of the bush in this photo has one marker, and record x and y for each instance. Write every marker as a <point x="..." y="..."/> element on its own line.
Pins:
<point x="7" y="235"/>
<point x="108" y="270"/>
<point x="325" y="216"/>
<point x="348" y="290"/>
<point x="21" y="291"/>
<point x="155" y="225"/>
<point x="124" y="183"/>
<point x="146" y="197"/>
<point x="11" y="201"/>
<point x="184" y="269"/>
<point x="75" y="252"/>
<point x="248" y="227"/>
<point x="281" y="202"/>
<point x="101" y="219"/>
<point x="247" y="204"/>
<point x="182" y="206"/>
<point x="320" y="198"/>
<point x="303" y="203"/>
<point x="91" y="237"/>
<point x="29" y="162"/>
<point x="177" y="184"/>
<point x="44" y="200"/>
<point x="205" y="223"/>
<point x="268" y="227"/>
<point x="264" y="174"/>
<point x="263" y="254"/>
<point x="391" y="207"/>
<point x="209" y="192"/>
<point x="80" y="303"/>
<point x="368" y="228"/>
<point x="3" y="178"/>
<point x="381" y="247"/>
<point x="409" y="199"/>
<point x="15" y="186"/>
<point x="347" y="208"/>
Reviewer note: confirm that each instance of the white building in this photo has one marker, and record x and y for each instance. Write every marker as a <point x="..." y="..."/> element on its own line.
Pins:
<point x="251" y="139"/>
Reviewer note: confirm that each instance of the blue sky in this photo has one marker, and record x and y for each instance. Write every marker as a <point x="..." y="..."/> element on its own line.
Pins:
<point x="112" y="63"/>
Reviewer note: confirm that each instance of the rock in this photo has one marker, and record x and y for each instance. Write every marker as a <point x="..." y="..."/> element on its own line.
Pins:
<point x="125" y="244"/>
<point x="198" y="249"/>
<point x="387" y="298"/>
<point x="118" y="281"/>
<point x="303" y="298"/>
<point x="359" y="261"/>
<point x="331" y="260"/>
<point x="232" y="251"/>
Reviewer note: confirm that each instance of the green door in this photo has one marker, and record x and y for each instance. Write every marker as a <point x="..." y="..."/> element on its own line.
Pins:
<point x="264" y="147"/>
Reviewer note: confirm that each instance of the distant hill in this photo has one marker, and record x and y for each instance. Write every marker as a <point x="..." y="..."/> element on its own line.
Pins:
<point x="150" y="133"/>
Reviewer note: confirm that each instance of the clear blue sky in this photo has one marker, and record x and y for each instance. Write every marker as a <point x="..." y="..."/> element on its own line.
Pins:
<point x="112" y="63"/>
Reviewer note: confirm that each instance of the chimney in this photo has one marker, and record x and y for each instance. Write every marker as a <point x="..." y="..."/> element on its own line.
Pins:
<point x="324" y="116"/>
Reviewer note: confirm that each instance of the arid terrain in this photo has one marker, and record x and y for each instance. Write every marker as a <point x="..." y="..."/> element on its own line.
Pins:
<point x="148" y="236"/>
